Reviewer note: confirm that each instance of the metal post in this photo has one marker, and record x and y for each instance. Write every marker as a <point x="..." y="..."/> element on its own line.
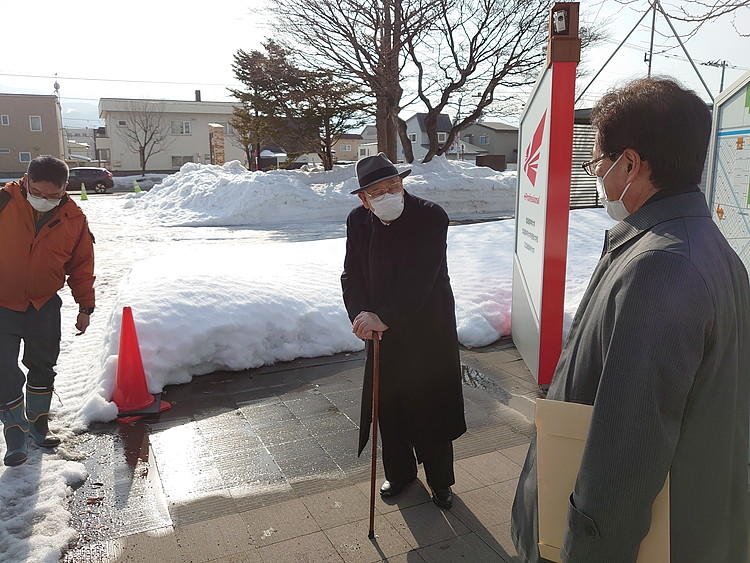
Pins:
<point x="677" y="36"/>
<point x="723" y="68"/>
<point x="651" y="47"/>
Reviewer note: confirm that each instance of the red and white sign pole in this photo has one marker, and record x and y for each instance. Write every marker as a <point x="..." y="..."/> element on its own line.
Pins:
<point x="543" y="200"/>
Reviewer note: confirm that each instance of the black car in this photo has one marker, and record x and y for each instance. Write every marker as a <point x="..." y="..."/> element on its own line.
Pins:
<point x="97" y="179"/>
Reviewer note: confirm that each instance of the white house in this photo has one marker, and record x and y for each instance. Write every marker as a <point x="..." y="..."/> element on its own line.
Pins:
<point x="184" y="124"/>
<point x="368" y="146"/>
<point x="420" y="143"/>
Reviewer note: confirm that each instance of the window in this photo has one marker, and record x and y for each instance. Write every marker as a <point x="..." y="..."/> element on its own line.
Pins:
<point x="442" y="137"/>
<point x="228" y="130"/>
<point x="362" y="152"/>
<point x="103" y="154"/>
<point x="178" y="161"/>
<point x="181" y="128"/>
<point x="122" y="123"/>
<point x="24" y="157"/>
<point x="35" y="122"/>
<point x="413" y="137"/>
<point x="4" y="120"/>
<point x="482" y="139"/>
<point x="346" y="148"/>
<point x="4" y="151"/>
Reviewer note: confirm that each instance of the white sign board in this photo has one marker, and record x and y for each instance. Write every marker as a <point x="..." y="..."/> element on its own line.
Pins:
<point x="534" y="136"/>
<point x="728" y="190"/>
<point x="729" y="167"/>
<point x="545" y="146"/>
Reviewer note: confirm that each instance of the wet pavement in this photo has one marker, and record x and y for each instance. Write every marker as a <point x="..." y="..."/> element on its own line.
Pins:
<point x="238" y="442"/>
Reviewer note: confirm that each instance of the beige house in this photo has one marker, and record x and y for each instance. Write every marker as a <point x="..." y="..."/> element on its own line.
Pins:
<point x="182" y="125"/>
<point x="347" y="147"/>
<point x="494" y="138"/>
<point x="30" y="125"/>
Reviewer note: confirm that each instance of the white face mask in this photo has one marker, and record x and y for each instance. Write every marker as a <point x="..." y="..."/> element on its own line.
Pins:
<point x="615" y="209"/>
<point x="388" y="207"/>
<point x="42" y="205"/>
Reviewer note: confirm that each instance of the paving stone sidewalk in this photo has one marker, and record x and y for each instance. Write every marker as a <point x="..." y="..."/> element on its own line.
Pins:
<point x="262" y="466"/>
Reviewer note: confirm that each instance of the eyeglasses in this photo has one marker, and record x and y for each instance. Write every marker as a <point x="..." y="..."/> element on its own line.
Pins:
<point x="588" y="167"/>
<point x="41" y="195"/>
<point x="390" y="186"/>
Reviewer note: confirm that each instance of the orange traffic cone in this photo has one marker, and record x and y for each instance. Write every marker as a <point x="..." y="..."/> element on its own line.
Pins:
<point x="131" y="394"/>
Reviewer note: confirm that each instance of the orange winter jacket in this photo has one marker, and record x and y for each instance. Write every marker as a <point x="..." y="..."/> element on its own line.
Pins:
<point x="33" y="265"/>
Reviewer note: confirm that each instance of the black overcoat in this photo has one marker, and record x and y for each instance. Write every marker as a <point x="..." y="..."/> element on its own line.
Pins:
<point x="399" y="271"/>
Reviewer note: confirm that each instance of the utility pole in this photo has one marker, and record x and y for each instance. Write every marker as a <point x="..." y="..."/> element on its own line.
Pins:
<point x="717" y="63"/>
<point x="96" y="152"/>
<point x="647" y="57"/>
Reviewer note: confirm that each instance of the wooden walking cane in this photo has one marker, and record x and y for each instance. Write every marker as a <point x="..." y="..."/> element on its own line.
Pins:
<point x="375" y="410"/>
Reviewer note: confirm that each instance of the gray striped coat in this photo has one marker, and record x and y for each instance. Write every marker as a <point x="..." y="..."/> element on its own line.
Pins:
<point x="660" y="346"/>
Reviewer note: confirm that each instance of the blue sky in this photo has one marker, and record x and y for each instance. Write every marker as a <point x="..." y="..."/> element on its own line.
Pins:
<point x="191" y="45"/>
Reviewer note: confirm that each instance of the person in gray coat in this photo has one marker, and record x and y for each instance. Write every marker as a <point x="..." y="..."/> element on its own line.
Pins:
<point x="660" y="346"/>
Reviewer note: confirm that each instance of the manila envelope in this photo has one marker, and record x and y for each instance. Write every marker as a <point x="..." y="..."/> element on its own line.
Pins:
<point x="562" y="431"/>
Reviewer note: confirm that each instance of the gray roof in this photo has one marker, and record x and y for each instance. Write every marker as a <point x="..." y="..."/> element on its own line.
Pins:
<point x="497" y="126"/>
<point x="444" y="124"/>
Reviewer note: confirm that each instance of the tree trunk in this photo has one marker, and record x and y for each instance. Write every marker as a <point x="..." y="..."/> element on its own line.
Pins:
<point x="142" y="152"/>
<point x="430" y="124"/>
<point x="257" y="156"/>
<point x="405" y="142"/>
<point x="248" y="155"/>
<point x="384" y="126"/>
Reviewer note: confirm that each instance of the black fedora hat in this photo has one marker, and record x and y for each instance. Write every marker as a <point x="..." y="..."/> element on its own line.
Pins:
<point x="373" y="169"/>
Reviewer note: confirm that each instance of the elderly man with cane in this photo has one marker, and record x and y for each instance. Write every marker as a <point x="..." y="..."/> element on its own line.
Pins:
<point x="396" y="289"/>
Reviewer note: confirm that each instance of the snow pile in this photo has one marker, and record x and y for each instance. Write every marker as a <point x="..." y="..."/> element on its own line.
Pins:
<point x="35" y="523"/>
<point x="200" y="309"/>
<point x="233" y="306"/>
<point x="145" y="181"/>
<point x="204" y="195"/>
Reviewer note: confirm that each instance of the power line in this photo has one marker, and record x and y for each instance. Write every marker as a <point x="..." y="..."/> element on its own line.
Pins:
<point x="114" y="80"/>
<point x="668" y="56"/>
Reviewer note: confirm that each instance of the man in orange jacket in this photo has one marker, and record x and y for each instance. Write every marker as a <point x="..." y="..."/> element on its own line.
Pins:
<point x="45" y="237"/>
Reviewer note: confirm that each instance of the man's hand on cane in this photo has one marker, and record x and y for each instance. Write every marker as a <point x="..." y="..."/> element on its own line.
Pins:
<point x="365" y="324"/>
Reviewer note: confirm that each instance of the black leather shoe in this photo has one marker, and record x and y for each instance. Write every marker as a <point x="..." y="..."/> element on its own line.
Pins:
<point x="443" y="498"/>
<point x="390" y="489"/>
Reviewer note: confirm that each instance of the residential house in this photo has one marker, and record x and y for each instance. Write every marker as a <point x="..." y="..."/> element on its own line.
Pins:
<point x="79" y="144"/>
<point x="345" y="150"/>
<point x="184" y="123"/>
<point x="30" y="125"/>
<point x="347" y="147"/>
<point x="417" y="133"/>
<point x="494" y="138"/>
<point x="369" y="144"/>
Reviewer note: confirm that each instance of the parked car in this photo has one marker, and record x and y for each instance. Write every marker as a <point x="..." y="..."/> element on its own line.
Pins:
<point x="97" y="179"/>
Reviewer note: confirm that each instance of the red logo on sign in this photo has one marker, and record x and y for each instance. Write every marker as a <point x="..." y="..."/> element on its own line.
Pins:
<point x="531" y="157"/>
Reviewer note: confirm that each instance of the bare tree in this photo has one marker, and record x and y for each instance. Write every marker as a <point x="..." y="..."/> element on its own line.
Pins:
<point x="362" y="42"/>
<point x="145" y="131"/>
<point x="700" y="12"/>
<point x="476" y="46"/>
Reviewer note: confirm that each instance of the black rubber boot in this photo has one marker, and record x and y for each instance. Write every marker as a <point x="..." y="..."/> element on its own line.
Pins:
<point x="38" y="401"/>
<point x="15" y="429"/>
